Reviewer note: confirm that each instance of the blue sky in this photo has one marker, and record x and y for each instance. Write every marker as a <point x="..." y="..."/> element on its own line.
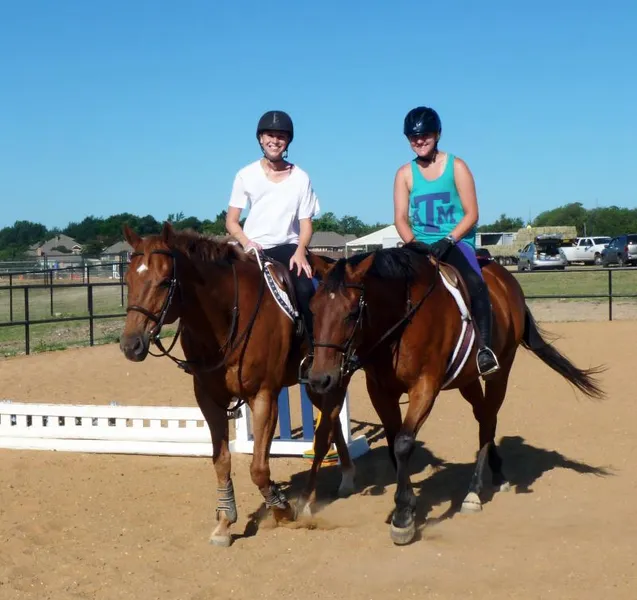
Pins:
<point x="150" y="107"/>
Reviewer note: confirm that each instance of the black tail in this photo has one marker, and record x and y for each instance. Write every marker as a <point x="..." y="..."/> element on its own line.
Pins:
<point x="582" y="379"/>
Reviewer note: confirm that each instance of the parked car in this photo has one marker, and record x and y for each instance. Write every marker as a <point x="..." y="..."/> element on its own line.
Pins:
<point x="621" y="251"/>
<point x="544" y="252"/>
<point x="586" y="250"/>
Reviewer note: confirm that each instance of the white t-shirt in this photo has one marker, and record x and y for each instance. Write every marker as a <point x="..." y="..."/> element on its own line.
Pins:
<point x="275" y="208"/>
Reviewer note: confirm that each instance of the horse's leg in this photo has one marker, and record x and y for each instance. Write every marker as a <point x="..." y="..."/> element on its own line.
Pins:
<point x="265" y="411"/>
<point x="329" y="427"/>
<point x="217" y="419"/>
<point x="421" y="401"/>
<point x="485" y="409"/>
<point x="495" y="394"/>
<point x="387" y="407"/>
<point x="322" y="441"/>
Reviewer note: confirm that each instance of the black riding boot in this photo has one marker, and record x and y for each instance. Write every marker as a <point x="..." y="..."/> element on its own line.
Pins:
<point x="486" y="359"/>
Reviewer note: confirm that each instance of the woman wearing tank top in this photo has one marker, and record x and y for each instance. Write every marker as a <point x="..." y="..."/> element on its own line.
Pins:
<point x="435" y="203"/>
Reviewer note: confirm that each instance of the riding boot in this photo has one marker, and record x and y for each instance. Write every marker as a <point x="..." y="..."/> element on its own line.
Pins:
<point x="486" y="359"/>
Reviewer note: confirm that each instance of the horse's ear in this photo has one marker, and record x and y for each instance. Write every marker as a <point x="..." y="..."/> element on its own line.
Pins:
<point x="357" y="273"/>
<point x="320" y="264"/>
<point x="131" y="237"/>
<point x="167" y="233"/>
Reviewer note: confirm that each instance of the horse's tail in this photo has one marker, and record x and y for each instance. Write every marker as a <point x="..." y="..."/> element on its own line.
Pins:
<point x="581" y="378"/>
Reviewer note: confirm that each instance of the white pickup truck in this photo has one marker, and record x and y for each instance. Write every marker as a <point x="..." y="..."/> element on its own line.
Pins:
<point x="586" y="250"/>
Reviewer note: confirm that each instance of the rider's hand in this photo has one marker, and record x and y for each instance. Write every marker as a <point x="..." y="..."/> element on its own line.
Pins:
<point x="251" y="244"/>
<point x="440" y="248"/>
<point x="300" y="260"/>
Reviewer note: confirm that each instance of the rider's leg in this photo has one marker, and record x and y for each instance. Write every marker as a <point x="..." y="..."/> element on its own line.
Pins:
<point x="462" y="256"/>
<point x="303" y="286"/>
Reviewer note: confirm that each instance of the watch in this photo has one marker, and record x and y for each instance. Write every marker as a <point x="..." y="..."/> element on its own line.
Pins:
<point x="451" y="239"/>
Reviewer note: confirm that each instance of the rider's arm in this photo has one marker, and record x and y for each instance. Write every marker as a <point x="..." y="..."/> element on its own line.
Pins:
<point x="401" y="206"/>
<point x="233" y="227"/>
<point x="305" y="233"/>
<point x="467" y="191"/>
<point x="309" y="207"/>
<point x="238" y="201"/>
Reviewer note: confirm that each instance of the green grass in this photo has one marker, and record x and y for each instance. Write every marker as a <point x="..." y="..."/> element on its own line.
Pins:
<point x="571" y="282"/>
<point x="67" y="302"/>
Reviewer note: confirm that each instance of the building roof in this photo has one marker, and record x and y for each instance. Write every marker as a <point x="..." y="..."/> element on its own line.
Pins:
<point x="327" y="239"/>
<point x="59" y="240"/>
<point x="375" y="238"/>
<point x="118" y="248"/>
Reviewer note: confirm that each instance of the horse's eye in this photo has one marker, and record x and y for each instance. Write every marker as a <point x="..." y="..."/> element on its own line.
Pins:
<point x="353" y="315"/>
<point x="165" y="283"/>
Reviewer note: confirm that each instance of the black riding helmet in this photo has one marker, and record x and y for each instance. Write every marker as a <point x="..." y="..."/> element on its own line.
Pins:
<point x="276" y="120"/>
<point x="421" y="121"/>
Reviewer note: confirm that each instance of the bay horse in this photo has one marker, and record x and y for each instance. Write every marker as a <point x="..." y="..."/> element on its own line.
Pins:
<point x="237" y="343"/>
<point x="396" y="313"/>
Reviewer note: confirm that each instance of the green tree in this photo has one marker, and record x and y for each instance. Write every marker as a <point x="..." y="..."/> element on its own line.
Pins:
<point x="503" y="223"/>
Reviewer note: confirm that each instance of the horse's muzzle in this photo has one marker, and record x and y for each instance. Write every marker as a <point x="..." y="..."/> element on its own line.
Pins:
<point x="135" y="346"/>
<point x="323" y="382"/>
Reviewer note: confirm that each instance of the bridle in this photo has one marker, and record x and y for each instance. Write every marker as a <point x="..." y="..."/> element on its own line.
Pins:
<point x="159" y="319"/>
<point x="350" y="361"/>
<point x="163" y="311"/>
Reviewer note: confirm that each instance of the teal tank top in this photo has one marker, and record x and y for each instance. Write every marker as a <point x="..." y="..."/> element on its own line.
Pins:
<point x="434" y="206"/>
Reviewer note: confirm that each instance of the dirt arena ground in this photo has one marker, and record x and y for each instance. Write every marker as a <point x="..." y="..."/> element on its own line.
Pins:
<point x="75" y="526"/>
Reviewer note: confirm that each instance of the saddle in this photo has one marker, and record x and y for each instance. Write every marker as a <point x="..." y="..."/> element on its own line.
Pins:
<point x="454" y="279"/>
<point x="279" y="282"/>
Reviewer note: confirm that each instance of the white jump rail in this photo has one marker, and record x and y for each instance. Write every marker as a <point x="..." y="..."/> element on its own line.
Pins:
<point x="147" y="430"/>
<point x="150" y="430"/>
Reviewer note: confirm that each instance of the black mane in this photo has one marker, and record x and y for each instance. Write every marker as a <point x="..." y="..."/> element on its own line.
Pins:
<point x="404" y="264"/>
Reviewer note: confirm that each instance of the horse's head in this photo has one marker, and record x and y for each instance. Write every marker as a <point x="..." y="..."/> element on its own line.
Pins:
<point x="152" y="285"/>
<point x="338" y="308"/>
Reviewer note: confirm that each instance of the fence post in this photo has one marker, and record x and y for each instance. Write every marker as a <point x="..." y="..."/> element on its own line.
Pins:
<point x="27" y="333"/>
<point x="51" y="289"/>
<point x="610" y="294"/>
<point x="11" y="297"/>
<point x="90" y="315"/>
<point x="121" y="278"/>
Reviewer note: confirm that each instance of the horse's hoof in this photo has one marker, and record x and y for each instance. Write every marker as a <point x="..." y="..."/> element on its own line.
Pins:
<point x="471" y="504"/>
<point x="285" y="515"/>
<point x="402" y="535"/>
<point x="505" y="487"/>
<point x="223" y="541"/>
<point x="303" y="510"/>
<point x="347" y="487"/>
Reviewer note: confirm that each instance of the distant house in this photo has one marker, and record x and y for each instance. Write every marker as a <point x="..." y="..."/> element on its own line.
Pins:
<point x="57" y="247"/>
<point x="118" y="250"/>
<point x="329" y="242"/>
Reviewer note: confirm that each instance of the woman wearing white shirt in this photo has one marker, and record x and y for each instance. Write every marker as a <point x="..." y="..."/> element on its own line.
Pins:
<point x="282" y="204"/>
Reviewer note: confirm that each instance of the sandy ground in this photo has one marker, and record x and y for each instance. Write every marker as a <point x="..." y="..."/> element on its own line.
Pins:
<point x="76" y="526"/>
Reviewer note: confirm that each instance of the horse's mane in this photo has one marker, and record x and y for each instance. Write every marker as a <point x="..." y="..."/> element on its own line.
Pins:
<point x="208" y="248"/>
<point x="404" y="264"/>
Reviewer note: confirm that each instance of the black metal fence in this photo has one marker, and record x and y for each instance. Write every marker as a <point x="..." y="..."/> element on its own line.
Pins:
<point x="39" y="297"/>
<point x="609" y="295"/>
<point x="30" y="306"/>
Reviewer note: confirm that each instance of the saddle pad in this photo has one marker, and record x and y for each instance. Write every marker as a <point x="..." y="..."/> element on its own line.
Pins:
<point x="465" y="340"/>
<point x="280" y="296"/>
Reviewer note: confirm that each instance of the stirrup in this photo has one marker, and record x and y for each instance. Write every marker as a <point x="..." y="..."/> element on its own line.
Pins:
<point x="492" y="357"/>
<point x="304" y="370"/>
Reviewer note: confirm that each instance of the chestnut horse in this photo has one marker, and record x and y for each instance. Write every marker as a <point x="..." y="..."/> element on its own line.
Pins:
<point x="237" y="343"/>
<point x="390" y="313"/>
